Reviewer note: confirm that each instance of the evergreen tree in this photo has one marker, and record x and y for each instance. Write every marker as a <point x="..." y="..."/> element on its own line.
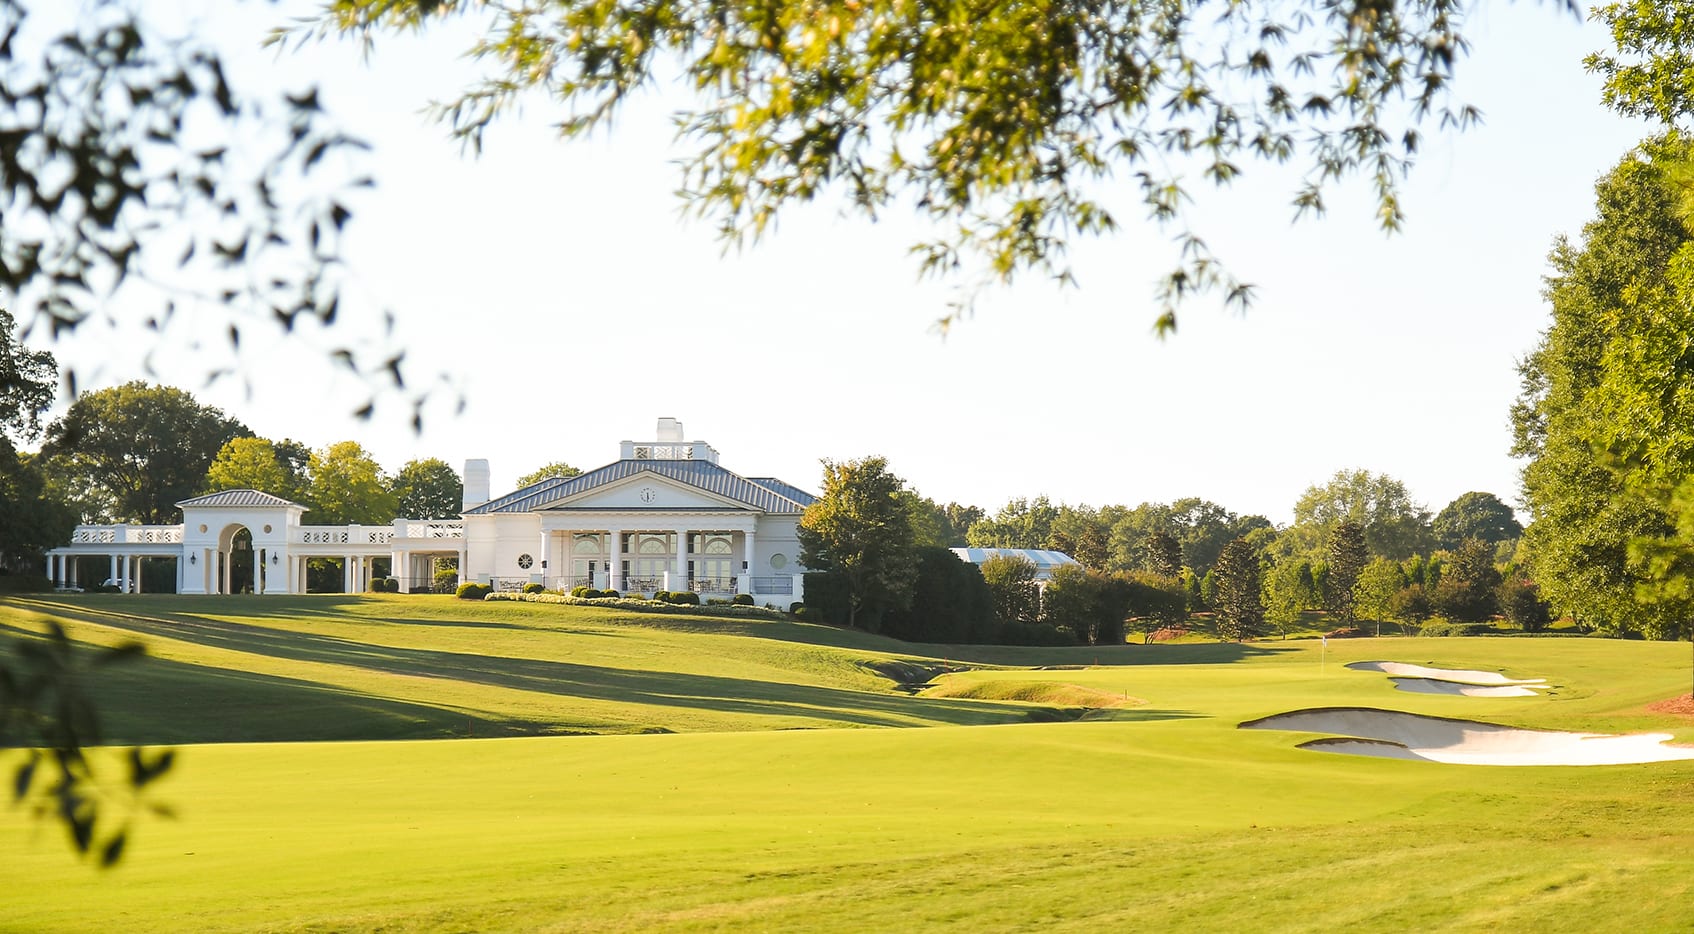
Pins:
<point x="1239" y="600"/>
<point x="1347" y="557"/>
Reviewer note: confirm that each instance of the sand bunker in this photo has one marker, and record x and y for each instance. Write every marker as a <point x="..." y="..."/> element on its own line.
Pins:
<point x="1432" y="686"/>
<point x="1459" y="675"/>
<point x="1364" y="731"/>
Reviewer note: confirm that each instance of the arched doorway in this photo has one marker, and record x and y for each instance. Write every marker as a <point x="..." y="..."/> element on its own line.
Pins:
<point x="236" y="561"/>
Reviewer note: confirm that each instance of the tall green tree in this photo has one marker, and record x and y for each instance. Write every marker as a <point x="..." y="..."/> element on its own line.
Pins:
<point x="1089" y="604"/>
<point x="428" y="489"/>
<point x="28" y="383"/>
<point x="1347" y="558"/>
<point x="256" y="464"/>
<point x="1469" y="588"/>
<point x="1394" y="525"/>
<point x="858" y="530"/>
<point x="348" y="487"/>
<point x="1164" y="554"/>
<point x="555" y="469"/>
<point x="959" y="522"/>
<point x="1603" y="414"/>
<point x="1475" y="515"/>
<point x="1011" y="584"/>
<point x="1238" y="601"/>
<point x="1021" y="523"/>
<point x="1375" y="591"/>
<point x="139" y="449"/>
<point x="34" y="519"/>
<point x="930" y="527"/>
<point x="1290" y="589"/>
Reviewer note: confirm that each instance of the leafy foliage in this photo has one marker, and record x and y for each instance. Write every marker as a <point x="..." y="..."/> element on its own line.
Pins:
<point x="1021" y="523"/>
<point x="428" y="489"/>
<point x="1469" y="584"/>
<point x="137" y="450"/>
<point x="996" y="121"/>
<point x="555" y="469"/>
<point x="1347" y="557"/>
<point x="1394" y="526"/>
<point x="858" y="530"/>
<point x="950" y="602"/>
<point x="1011" y="583"/>
<point x="1604" y="411"/>
<point x="348" y="487"/>
<point x="28" y="381"/>
<point x="1238" y="600"/>
<point x="135" y="176"/>
<point x="47" y="717"/>
<point x="256" y="464"/>
<point x="1475" y="515"/>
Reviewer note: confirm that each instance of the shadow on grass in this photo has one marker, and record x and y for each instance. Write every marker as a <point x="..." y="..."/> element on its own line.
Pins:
<point x="564" y="679"/>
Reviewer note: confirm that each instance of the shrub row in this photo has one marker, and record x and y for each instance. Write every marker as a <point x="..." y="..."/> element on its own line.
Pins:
<point x="384" y="585"/>
<point x="1454" y="629"/>
<point x="471" y="590"/>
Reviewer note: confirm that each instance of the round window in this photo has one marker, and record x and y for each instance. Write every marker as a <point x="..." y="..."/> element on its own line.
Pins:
<point x="525" y="562"/>
<point x="267" y="530"/>
<point x="779" y="562"/>
<point x="202" y="528"/>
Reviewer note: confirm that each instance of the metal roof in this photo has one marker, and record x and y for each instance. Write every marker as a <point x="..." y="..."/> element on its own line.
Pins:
<point x="763" y="494"/>
<point x="1046" y="562"/>
<point x="243" y="498"/>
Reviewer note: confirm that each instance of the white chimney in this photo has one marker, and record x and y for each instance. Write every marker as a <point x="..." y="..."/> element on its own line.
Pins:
<point x="476" y="483"/>
<point x="669" y="430"/>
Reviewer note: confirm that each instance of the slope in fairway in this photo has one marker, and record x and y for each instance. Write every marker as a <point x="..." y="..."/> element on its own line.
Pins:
<point x="1155" y="814"/>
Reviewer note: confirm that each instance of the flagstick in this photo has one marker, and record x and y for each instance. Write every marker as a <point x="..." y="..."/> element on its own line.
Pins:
<point x="1323" y="656"/>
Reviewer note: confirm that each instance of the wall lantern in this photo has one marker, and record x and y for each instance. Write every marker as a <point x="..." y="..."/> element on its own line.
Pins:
<point x="190" y="559"/>
<point x="273" y="557"/>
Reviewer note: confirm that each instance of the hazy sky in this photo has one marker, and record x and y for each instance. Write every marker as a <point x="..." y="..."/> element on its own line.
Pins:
<point x="559" y="287"/>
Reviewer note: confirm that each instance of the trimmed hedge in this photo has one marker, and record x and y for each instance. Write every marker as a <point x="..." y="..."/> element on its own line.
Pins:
<point x="742" y="599"/>
<point x="643" y="606"/>
<point x="471" y="590"/>
<point x="533" y="588"/>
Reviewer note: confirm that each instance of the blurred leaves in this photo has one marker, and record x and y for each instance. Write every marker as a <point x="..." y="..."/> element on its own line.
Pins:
<point x="47" y="718"/>
<point x="998" y="121"/>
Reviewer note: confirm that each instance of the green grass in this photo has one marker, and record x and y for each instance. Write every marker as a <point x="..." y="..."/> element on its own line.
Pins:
<point x="1160" y="815"/>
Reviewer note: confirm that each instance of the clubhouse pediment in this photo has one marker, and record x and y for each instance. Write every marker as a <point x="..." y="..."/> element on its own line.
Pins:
<point x="646" y="491"/>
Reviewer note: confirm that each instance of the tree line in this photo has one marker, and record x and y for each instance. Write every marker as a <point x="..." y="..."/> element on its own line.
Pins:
<point x="1360" y="547"/>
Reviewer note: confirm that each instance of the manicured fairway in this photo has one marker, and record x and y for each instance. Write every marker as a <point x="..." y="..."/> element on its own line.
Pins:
<point x="1159" y="815"/>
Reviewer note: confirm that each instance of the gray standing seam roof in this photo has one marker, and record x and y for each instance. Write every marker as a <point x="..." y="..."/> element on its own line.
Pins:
<point x="238" y="498"/>
<point x="763" y="494"/>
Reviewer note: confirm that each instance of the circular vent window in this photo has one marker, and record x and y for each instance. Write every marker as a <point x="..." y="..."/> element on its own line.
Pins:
<point x="525" y="562"/>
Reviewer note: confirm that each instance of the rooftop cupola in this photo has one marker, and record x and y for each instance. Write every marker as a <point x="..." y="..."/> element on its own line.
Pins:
<point x="668" y="446"/>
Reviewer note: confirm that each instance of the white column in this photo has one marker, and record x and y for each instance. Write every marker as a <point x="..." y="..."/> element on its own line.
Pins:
<point x="347" y="574"/>
<point x="72" y="560"/>
<point x="681" y="580"/>
<point x="545" y="564"/>
<point x="135" y="576"/>
<point x="48" y="570"/>
<point x="258" y="568"/>
<point x="744" y="584"/>
<point x="123" y="574"/>
<point x="614" y="560"/>
<point x="400" y="568"/>
<point x="114" y="575"/>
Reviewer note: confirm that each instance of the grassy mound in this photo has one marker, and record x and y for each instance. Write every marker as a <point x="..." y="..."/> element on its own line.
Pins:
<point x="1053" y="693"/>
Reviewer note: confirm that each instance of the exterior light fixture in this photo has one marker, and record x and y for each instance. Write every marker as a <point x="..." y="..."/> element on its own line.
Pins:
<point x="190" y="559"/>
<point x="273" y="557"/>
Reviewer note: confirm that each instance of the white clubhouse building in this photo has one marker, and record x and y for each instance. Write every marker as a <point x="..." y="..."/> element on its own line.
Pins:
<point x="663" y="516"/>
